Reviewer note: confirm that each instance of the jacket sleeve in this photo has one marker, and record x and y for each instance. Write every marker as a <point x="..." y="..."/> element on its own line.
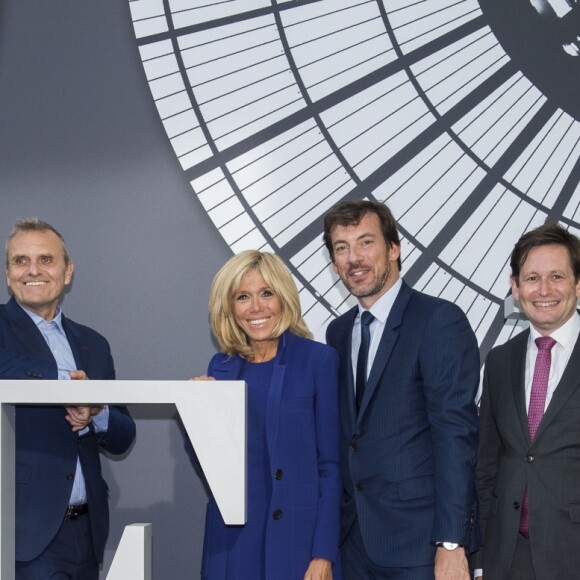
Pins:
<point x="449" y="359"/>
<point x="327" y="530"/>
<point x="120" y="432"/>
<point x="489" y="447"/>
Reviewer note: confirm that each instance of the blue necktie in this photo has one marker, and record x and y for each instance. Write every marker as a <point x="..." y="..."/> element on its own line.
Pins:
<point x="363" y="353"/>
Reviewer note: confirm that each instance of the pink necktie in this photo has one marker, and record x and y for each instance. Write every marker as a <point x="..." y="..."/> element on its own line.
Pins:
<point x="540" y="383"/>
<point x="536" y="407"/>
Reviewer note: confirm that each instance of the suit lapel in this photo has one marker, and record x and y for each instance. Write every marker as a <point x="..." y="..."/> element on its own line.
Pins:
<point x="518" y="368"/>
<point x="566" y="387"/>
<point x="273" y="403"/>
<point x="230" y="369"/>
<point x="77" y="342"/>
<point x="26" y="331"/>
<point x="346" y="370"/>
<point x="386" y="345"/>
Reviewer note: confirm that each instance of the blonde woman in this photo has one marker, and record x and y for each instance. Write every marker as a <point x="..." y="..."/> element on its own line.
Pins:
<point x="293" y="432"/>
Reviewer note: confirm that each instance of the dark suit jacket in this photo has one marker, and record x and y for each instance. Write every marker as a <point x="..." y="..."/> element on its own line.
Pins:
<point x="549" y="466"/>
<point x="408" y="458"/>
<point x="302" y="436"/>
<point x="46" y="447"/>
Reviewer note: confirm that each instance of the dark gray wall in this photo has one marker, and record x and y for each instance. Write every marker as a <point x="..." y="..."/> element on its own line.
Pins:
<point x="81" y="146"/>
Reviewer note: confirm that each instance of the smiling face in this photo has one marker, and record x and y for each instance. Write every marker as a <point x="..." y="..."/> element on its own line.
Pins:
<point x="365" y="263"/>
<point x="257" y="311"/>
<point x="546" y="289"/>
<point x="36" y="272"/>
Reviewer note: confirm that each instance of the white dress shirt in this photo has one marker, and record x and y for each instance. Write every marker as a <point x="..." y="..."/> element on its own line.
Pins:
<point x="380" y="310"/>
<point x="565" y="337"/>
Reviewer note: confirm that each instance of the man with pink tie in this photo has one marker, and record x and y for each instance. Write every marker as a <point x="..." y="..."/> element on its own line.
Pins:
<point x="528" y="468"/>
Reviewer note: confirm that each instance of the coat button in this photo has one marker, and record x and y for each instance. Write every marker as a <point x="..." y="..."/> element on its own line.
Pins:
<point x="278" y="474"/>
<point x="70" y="476"/>
<point x="353" y="446"/>
<point x="358" y="486"/>
<point x="516" y="505"/>
<point x="277" y="514"/>
<point x="529" y="458"/>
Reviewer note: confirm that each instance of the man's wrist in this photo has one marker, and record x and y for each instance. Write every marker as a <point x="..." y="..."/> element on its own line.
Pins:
<point x="101" y="420"/>
<point x="449" y="546"/>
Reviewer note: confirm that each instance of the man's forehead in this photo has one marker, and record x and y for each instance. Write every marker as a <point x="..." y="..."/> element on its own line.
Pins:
<point x="343" y="235"/>
<point x="44" y="242"/>
<point x="548" y="256"/>
<point x="368" y="225"/>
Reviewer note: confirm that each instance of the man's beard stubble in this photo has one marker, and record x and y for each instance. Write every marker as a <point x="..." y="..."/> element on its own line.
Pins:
<point x="376" y="288"/>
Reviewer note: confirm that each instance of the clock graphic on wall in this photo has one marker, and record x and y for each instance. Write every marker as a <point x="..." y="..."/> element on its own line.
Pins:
<point x="461" y="115"/>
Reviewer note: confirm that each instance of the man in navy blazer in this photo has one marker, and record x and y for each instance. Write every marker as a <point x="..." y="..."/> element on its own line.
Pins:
<point x="409" y="433"/>
<point x="61" y="496"/>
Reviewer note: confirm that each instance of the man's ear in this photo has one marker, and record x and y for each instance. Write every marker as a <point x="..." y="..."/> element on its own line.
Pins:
<point x="394" y="252"/>
<point x="70" y="268"/>
<point x="515" y="287"/>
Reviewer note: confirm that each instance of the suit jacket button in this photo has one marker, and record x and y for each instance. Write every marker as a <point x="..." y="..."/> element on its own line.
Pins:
<point x="70" y="476"/>
<point x="277" y="514"/>
<point x="530" y="459"/>
<point x="353" y="446"/>
<point x="358" y="486"/>
<point x="516" y="505"/>
<point x="278" y="474"/>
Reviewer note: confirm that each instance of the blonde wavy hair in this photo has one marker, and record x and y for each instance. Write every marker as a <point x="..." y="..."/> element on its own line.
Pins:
<point x="231" y="338"/>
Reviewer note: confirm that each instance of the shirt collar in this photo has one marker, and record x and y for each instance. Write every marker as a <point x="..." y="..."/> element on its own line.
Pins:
<point x="40" y="322"/>
<point x="382" y="307"/>
<point x="566" y="335"/>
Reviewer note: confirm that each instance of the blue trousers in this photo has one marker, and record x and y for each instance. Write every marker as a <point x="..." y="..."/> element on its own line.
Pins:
<point x="356" y="564"/>
<point x="70" y="555"/>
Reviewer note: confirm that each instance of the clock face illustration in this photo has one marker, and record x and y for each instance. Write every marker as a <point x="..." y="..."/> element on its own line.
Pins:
<point x="444" y="110"/>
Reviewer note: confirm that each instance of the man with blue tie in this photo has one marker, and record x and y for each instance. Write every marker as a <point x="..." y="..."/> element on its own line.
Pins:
<point x="409" y="377"/>
<point x="61" y="496"/>
<point x="528" y="469"/>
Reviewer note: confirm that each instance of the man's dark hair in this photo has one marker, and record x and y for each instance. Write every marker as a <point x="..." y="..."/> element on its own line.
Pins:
<point x="350" y="213"/>
<point x="551" y="233"/>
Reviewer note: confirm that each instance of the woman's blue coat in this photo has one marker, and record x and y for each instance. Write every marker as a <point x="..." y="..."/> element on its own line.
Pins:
<point x="302" y="430"/>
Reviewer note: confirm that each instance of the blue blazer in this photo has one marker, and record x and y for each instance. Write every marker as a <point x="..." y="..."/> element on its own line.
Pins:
<point x="302" y="431"/>
<point x="46" y="447"/>
<point x="408" y="457"/>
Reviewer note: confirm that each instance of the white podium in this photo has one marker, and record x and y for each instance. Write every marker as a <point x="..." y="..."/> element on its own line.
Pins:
<point x="213" y="414"/>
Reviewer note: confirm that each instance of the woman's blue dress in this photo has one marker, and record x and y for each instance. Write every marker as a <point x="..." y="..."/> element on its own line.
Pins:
<point x="246" y="544"/>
